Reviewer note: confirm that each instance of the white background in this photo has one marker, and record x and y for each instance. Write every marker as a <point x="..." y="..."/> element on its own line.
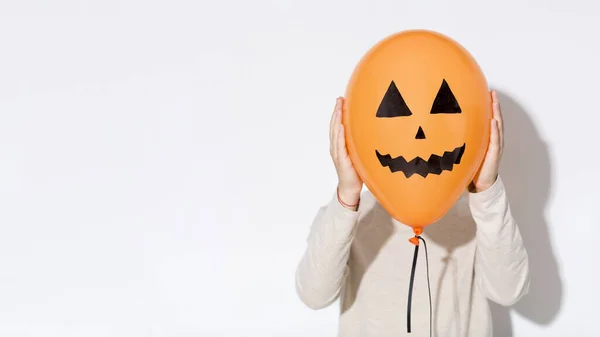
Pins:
<point x="161" y="161"/>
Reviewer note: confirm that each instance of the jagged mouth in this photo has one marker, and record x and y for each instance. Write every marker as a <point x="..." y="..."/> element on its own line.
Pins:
<point x="434" y="165"/>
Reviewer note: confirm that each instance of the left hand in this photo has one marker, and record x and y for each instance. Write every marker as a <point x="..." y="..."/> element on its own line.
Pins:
<point x="488" y="172"/>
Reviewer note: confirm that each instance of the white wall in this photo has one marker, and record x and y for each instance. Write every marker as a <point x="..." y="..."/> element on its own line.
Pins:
<point x="143" y="193"/>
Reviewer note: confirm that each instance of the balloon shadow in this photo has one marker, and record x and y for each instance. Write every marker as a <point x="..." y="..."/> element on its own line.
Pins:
<point x="527" y="174"/>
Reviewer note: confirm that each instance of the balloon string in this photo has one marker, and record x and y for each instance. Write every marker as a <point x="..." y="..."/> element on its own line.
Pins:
<point x="410" y="289"/>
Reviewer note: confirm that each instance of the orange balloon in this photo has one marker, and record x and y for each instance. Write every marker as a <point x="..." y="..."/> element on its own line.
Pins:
<point x="417" y="118"/>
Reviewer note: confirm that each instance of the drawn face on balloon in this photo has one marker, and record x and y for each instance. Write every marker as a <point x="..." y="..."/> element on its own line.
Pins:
<point x="417" y="114"/>
<point x="393" y="105"/>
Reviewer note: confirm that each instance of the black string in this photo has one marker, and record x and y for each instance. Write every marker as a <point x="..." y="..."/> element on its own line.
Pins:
<point x="410" y="289"/>
<point x="428" y="285"/>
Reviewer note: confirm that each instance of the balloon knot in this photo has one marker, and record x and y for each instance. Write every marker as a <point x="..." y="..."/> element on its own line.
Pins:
<point x="415" y="240"/>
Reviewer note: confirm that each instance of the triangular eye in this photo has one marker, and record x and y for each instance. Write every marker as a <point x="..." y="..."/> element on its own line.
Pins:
<point x="392" y="104"/>
<point x="445" y="102"/>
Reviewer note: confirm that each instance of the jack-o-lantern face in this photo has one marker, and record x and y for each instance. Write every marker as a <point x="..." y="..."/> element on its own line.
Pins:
<point x="417" y="116"/>
<point x="393" y="105"/>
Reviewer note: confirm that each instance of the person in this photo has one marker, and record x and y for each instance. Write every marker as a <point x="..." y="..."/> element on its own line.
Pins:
<point x="360" y="255"/>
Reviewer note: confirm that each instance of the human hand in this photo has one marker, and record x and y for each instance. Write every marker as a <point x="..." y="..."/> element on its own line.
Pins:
<point x="349" y="183"/>
<point x="488" y="172"/>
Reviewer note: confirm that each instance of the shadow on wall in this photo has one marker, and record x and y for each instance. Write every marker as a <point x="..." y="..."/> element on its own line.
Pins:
<point x="527" y="173"/>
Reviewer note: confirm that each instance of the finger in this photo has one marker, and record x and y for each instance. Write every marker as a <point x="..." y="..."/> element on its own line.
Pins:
<point x="338" y="116"/>
<point x="341" y="142"/>
<point x="494" y="145"/>
<point x="501" y="136"/>
<point x="497" y="111"/>
<point x="333" y="115"/>
<point x="497" y="115"/>
<point x="331" y="123"/>
<point x="336" y="131"/>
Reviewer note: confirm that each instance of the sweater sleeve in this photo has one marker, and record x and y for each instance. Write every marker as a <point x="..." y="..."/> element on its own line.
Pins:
<point x="323" y="267"/>
<point x="501" y="260"/>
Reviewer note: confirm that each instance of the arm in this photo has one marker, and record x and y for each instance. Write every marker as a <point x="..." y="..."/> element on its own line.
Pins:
<point x="322" y="269"/>
<point x="501" y="261"/>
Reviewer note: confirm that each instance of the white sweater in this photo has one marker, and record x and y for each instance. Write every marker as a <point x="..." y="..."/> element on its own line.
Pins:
<point x="364" y="258"/>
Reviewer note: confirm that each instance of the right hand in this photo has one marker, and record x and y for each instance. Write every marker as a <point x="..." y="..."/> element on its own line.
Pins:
<point x="349" y="183"/>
